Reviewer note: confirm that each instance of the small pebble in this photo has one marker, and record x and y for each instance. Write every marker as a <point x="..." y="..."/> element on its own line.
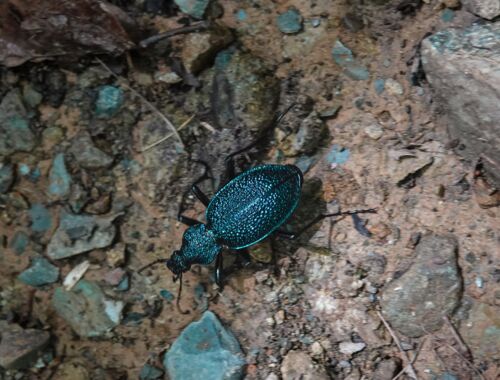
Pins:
<point x="115" y="276"/>
<point x="164" y="293"/>
<point x="316" y="350"/>
<point x="290" y="22"/>
<point x="349" y="348"/>
<point x="374" y="131"/>
<point x="393" y="87"/>
<point x="279" y="317"/>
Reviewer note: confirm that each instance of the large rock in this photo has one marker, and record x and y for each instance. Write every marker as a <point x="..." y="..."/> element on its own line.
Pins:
<point x="488" y="9"/>
<point x="416" y="303"/>
<point x="19" y="349"/>
<point x="462" y="68"/>
<point x="205" y="350"/>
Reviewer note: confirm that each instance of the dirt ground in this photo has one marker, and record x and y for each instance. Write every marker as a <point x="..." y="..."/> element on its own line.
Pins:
<point x="270" y="314"/>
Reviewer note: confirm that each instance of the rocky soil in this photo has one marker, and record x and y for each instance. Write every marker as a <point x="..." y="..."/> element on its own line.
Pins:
<point x="393" y="105"/>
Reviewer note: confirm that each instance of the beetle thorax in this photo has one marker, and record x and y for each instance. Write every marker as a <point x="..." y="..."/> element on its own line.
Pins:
<point x="199" y="246"/>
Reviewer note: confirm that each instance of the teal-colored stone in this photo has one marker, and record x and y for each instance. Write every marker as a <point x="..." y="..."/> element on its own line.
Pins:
<point x="338" y="155"/>
<point x="341" y="54"/>
<point x="344" y="58"/>
<point x="41" y="220"/>
<point x="148" y="372"/>
<point x="35" y="175"/>
<point x="19" y="242"/>
<point x="448" y="15"/>
<point x="60" y="180"/>
<point x="195" y="8"/>
<point x="164" y="293"/>
<point x="205" y="350"/>
<point x="379" y="85"/>
<point x="24" y="169"/>
<point x="241" y="15"/>
<point x="41" y="272"/>
<point x="124" y="284"/>
<point x="16" y="135"/>
<point x="6" y="177"/>
<point x="448" y="376"/>
<point x="357" y="72"/>
<point x="109" y="100"/>
<point x="290" y="22"/>
<point x="223" y="59"/>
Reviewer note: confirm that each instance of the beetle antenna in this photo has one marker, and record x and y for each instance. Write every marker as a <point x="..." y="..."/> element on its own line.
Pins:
<point x="177" y="303"/>
<point x="151" y="264"/>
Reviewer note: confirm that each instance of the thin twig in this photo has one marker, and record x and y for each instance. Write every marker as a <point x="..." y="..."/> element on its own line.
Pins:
<point x="469" y="363"/>
<point x="417" y="352"/>
<point x="167" y="136"/>
<point x="458" y="338"/>
<point x="147" y="102"/>
<point x="409" y="366"/>
<point x="174" y="32"/>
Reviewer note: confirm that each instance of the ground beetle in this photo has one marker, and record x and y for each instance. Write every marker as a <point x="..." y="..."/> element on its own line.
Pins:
<point x="247" y="209"/>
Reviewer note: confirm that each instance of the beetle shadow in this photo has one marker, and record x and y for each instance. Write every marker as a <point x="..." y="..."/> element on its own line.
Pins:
<point x="311" y="205"/>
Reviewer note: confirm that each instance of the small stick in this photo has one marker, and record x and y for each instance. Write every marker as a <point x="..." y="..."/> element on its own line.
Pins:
<point x="417" y="352"/>
<point x="409" y="368"/>
<point x="458" y="338"/>
<point x="167" y="136"/>
<point x="479" y="373"/>
<point x="147" y="102"/>
<point x="174" y="32"/>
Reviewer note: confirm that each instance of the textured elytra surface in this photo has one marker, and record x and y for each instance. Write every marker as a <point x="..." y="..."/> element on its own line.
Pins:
<point x="254" y="204"/>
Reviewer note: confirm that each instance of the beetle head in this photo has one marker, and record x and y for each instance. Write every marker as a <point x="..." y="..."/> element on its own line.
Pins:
<point x="177" y="264"/>
<point x="199" y="246"/>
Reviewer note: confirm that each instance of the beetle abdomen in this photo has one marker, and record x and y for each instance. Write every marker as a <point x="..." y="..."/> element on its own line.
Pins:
<point x="254" y="204"/>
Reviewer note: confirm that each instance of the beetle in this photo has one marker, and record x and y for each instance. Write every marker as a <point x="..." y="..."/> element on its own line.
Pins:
<point x="246" y="210"/>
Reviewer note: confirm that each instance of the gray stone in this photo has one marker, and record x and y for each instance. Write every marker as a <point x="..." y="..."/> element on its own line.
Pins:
<point x="416" y="303"/>
<point x="481" y="331"/>
<point x="6" y="177"/>
<point x="462" y="68"/>
<point x="87" y="310"/>
<point x="297" y="365"/>
<point x="14" y="125"/>
<point x="205" y="350"/>
<point x="350" y="348"/>
<point x="87" y="154"/>
<point x="199" y="49"/>
<point x="41" y="272"/>
<point x="80" y="233"/>
<point x="254" y="91"/>
<point x="311" y="134"/>
<point x="19" y="349"/>
<point x="488" y="9"/>
<point x="387" y="369"/>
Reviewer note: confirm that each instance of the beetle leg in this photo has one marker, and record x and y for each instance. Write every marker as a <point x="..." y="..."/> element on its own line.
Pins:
<point x="219" y="268"/>
<point x="151" y="264"/>
<point x="198" y="193"/>
<point x="295" y="235"/>
<point x="229" y="161"/>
